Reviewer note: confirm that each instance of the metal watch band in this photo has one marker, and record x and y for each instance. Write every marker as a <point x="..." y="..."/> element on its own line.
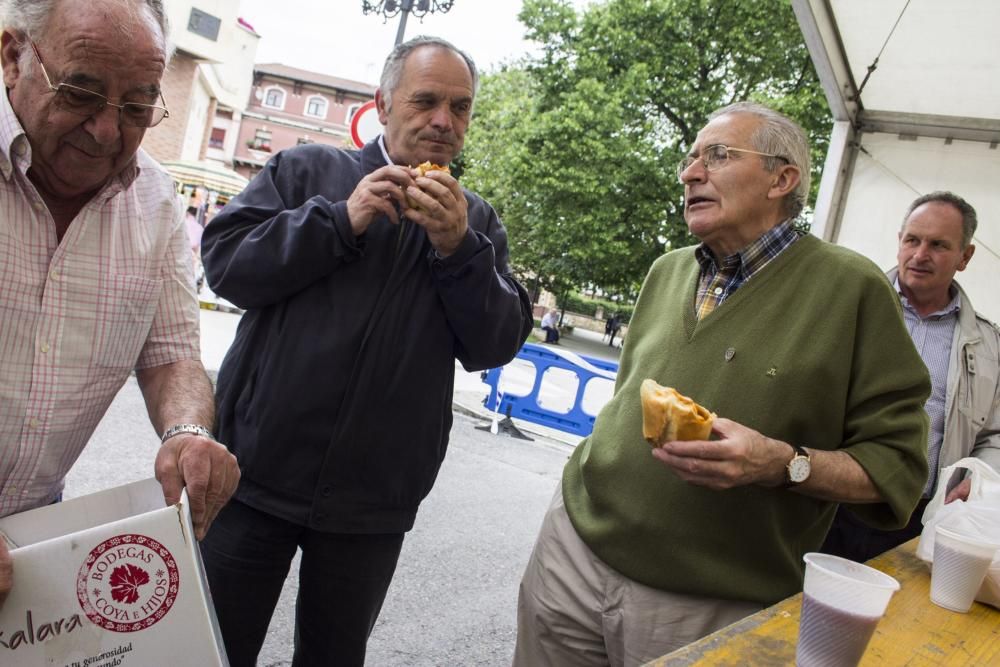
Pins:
<point x="194" y="429"/>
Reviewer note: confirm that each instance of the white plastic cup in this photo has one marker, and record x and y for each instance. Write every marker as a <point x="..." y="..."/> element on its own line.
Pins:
<point x="842" y="602"/>
<point x="960" y="565"/>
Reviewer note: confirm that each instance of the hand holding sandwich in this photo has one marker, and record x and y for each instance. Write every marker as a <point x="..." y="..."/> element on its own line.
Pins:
<point x="679" y="429"/>
<point x="739" y="456"/>
<point x="436" y="202"/>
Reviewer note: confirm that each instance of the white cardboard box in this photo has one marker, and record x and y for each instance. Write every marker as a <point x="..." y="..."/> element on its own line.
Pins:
<point x="113" y="579"/>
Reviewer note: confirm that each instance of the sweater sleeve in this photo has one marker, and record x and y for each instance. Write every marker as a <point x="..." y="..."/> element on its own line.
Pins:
<point x="272" y="240"/>
<point x="886" y="425"/>
<point x="487" y="309"/>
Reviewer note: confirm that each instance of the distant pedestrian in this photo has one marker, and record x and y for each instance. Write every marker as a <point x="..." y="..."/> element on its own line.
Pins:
<point x="550" y="326"/>
<point x="614" y="325"/>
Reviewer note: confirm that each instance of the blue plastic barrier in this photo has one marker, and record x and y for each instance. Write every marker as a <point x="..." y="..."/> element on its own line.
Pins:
<point x="527" y="407"/>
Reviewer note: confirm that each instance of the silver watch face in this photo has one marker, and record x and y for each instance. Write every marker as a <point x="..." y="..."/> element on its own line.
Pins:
<point x="798" y="469"/>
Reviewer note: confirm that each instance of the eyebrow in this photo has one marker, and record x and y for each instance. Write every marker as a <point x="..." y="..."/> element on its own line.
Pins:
<point x="96" y="85"/>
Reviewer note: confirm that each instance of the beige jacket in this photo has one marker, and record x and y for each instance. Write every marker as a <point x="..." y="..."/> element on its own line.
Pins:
<point x="972" y="403"/>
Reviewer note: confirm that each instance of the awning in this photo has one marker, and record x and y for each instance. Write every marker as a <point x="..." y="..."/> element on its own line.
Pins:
<point x="209" y="175"/>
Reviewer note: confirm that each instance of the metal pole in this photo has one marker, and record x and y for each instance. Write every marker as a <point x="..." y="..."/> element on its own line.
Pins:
<point x="404" y="9"/>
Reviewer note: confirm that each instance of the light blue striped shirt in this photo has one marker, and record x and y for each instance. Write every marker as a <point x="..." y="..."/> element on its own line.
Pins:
<point x="932" y="336"/>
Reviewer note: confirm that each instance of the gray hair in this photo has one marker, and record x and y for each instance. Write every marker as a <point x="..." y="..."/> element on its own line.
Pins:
<point x="969" y="219"/>
<point x="779" y="135"/>
<point x="31" y="18"/>
<point x="392" y="72"/>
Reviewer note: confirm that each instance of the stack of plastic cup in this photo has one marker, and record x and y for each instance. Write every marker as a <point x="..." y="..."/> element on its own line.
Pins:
<point x="960" y="564"/>
<point x="842" y="602"/>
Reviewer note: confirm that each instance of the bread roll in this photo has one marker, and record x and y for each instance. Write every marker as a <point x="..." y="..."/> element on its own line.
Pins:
<point x="423" y="168"/>
<point x="667" y="415"/>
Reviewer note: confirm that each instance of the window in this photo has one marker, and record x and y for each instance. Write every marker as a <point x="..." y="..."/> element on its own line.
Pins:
<point x="303" y="140"/>
<point x="274" y="98"/>
<point x="261" y="140"/>
<point x="316" y="107"/>
<point x="351" y="110"/>
<point x="218" y="138"/>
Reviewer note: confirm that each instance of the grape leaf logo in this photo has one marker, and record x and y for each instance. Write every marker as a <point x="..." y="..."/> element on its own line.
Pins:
<point x="128" y="583"/>
<point x="125" y="582"/>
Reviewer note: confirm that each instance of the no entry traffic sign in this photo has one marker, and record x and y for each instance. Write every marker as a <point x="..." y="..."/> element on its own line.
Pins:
<point x="365" y="125"/>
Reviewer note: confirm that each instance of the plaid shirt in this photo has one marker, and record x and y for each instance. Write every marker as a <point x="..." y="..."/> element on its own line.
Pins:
<point x="716" y="283"/>
<point x="77" y="316"/>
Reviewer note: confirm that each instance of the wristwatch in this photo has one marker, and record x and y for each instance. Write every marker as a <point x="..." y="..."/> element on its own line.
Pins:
<point x="798" y="469"/>
<point x="194" y="429"/>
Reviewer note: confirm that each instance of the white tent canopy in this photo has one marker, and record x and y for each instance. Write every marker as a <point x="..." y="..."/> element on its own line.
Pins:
<point x="925" y="118"/>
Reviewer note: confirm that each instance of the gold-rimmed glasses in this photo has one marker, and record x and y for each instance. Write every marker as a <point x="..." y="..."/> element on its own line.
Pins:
<point x="83" y="102"/>
<point x="716" y="157"/>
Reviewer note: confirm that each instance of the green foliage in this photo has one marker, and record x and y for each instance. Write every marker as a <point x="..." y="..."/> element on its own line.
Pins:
<point x="575" y="302"/>
<point x="577" y="149"/>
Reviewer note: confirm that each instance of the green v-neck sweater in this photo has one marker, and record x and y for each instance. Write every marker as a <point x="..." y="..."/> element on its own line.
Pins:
<point x="812" y="350"/>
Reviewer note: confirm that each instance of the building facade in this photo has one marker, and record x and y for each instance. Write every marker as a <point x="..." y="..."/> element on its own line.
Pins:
<point x="289" y="106"/>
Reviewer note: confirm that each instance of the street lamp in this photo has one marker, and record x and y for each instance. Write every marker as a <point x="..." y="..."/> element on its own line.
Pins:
<point x="419" y="8"/>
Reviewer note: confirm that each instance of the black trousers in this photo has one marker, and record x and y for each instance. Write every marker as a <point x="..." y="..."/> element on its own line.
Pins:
<point x="850" y="538"/>
<point x="343" y="580"/>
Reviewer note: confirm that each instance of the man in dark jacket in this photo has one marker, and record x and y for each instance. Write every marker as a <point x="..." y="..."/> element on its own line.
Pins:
<point x="363" y="282"/>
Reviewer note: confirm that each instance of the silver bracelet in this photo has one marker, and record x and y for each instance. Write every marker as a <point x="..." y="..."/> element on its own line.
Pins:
<point x="194" y="429"/>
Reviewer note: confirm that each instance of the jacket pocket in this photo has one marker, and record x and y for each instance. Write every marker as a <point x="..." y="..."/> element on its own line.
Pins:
<point x="127" y="308"/>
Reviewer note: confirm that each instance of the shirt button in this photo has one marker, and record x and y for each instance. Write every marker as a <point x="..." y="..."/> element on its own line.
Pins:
<point x="718" y="291"/>
<point x="12" y="490"/>
<point x="54" y="274"/>
<point x="19" y="148"/>
<point x="327" y="490"/>
<point x="44" y="348"/>
<point x="32" y="423"/>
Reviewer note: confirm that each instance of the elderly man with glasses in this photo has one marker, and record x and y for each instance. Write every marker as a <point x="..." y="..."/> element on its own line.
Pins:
<point x="96" y="271"/>
<point x="799" y="347"/>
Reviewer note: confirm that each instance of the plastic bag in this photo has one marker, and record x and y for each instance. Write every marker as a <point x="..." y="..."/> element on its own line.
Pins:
<point x="980" y="514"/>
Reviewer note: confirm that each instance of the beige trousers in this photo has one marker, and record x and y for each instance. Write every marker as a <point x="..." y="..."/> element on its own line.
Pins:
<point x="573" y="610"/>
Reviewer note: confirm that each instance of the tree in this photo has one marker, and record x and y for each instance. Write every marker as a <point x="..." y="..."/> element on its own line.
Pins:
<point x="577" y="149"/>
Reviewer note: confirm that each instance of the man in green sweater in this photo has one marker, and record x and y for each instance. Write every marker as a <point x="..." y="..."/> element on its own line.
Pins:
<point x="799" y="347"/>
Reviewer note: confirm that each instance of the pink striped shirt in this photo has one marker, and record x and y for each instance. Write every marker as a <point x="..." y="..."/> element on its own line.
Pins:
<point x="77" y="316"/>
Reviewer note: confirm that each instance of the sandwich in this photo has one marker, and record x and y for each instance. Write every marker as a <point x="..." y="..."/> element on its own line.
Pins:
<point x="423" y="168"/>
<point x="667" y="415"/>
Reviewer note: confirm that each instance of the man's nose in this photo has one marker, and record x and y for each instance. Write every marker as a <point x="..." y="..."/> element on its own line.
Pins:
<point x="694" y="172"/>
<point x="922" y="252"/>
<point x="105" y="125"/>
<point x="441" y="118"/>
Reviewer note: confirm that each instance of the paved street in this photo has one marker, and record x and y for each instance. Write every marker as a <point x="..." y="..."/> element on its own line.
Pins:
<point x="453" y="599"/>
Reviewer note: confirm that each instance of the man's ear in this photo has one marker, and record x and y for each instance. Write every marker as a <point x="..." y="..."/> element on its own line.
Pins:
<point x="10" y="51"/>
<point x="381" y="106"/>
<point x="786" y="179"/>
<point x="967" y="254"/>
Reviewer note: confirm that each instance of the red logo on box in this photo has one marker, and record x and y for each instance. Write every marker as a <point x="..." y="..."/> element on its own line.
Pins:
<point x="127" y="583"/>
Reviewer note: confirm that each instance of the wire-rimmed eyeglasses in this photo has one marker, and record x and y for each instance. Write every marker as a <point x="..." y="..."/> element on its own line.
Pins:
<point x="716" y="157"/>
<point x="83" y="102"/>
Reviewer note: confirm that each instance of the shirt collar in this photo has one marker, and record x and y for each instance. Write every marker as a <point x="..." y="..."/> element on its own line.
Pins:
<point x="385" y="153"/>
<point x="14" y="146"/>
<point x="755" y="255"/>
<point x="954" y="306"/>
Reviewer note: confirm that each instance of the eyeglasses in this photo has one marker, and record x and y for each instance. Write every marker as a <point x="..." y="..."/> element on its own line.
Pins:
<point x="83" y="102"/>
<point x="716" y="157"/>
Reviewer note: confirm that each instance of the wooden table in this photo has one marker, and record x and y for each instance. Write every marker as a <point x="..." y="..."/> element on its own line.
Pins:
<point x="913" y="632"/>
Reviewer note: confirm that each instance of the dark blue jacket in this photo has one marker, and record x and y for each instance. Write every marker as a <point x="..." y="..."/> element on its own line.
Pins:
<point x="336" y="395"/>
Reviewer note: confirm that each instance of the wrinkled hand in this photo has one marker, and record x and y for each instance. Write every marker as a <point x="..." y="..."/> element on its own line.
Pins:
<point x="6" y="572"/>
<point x="739" y="457"/>
<point x="377" y="194"/>
<point x="443" y="211"/>
<point x="208" y="470"/>
<point x="960" y="492"/>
